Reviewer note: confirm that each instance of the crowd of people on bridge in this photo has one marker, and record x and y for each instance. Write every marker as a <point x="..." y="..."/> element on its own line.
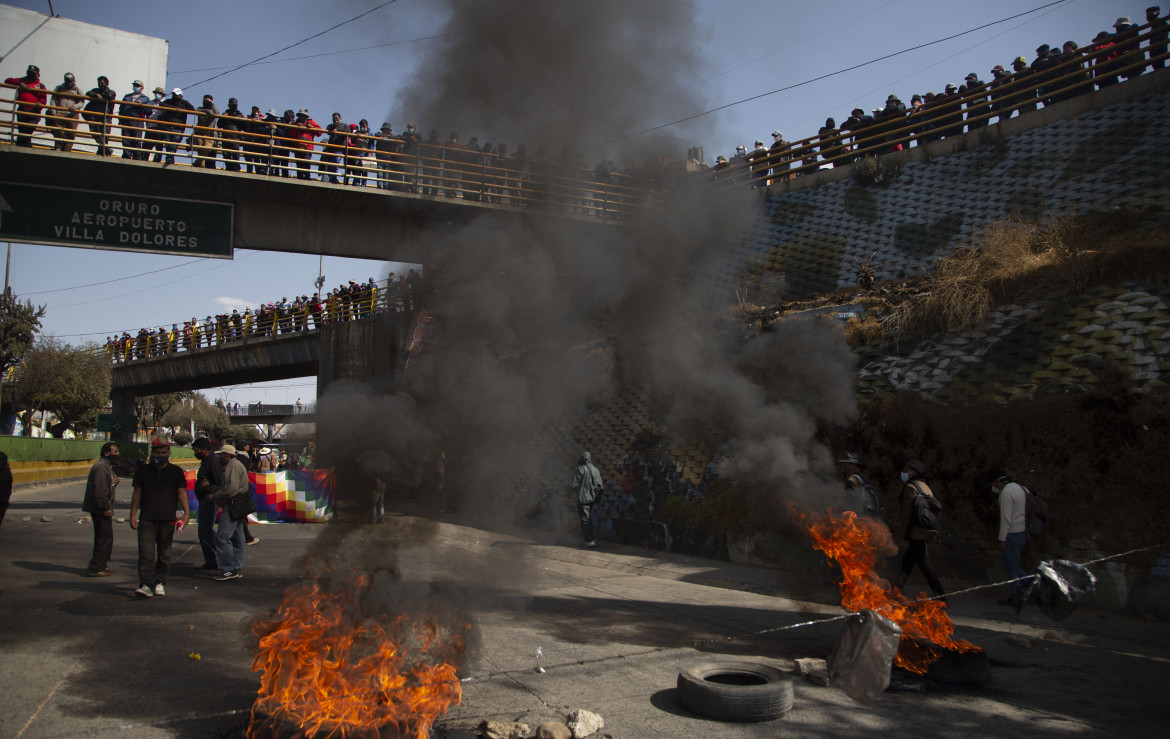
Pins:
<point x="283" y="145"/>
<point x="346" y="302"/>
<point x="1057" y="73"/>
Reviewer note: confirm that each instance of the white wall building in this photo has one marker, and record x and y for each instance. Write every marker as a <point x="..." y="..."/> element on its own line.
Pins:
<point x="60" y="45"/>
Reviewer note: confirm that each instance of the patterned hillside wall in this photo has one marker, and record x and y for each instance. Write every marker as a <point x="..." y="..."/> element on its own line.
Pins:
<point x="1096" y="153"/>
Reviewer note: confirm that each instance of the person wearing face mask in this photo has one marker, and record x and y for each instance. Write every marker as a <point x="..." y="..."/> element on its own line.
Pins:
<point x="99" y="504"/>
<point x="914" y="486"/>
<point x="204" y="137"/>
<point x="1013" y="531"/>
<point x="133" y="116"/>
<point x="98" y="112"/>
<point x="231" y="124"/>
<point x="30" y="98"/>
<point x="67" y="104"/>
<point x="160" y="487"/>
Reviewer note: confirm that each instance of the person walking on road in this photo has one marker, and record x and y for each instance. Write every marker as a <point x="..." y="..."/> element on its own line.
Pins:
<point x="586" y="483"/>
<point x="208" y="480"/>
<point x="914" y="487"/>
<point x="99" y="504"/>
<point x="159" y="489"/>
<point x="1013" y="531"/>
<point x="229" y="539"/>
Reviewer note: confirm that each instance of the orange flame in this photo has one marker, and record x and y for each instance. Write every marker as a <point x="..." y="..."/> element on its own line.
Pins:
<point x="332" y="670"/>
<point x="855" y="543"/>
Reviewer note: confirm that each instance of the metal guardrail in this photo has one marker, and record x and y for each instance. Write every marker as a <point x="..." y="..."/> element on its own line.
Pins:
<point x="276" y="148"/>
<point x="149" y="345"/>
<point x="1089" y="67"/>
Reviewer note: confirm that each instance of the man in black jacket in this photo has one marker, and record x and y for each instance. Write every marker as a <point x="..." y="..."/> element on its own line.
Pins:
<point x="159" y="489"/>
<point x="173" y="122"/>
<point x="231" y="127"/>
<point x="99" y="504"/>
<point x="99" y="112"/>
<point x="410" y="142"/>
<point x="975" y="92"/>
<point x="208" y="480"/>
<point x="1159" y="32"/>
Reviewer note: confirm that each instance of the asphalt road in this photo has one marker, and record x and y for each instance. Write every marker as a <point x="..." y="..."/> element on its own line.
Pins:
<point x="81" y="657"/>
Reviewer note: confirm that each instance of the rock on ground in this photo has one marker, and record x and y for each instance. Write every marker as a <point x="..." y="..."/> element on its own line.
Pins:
<point x="584" y="723"/>
<point x="807" y="664"/>
<point x="553" y="730"/>
<point x="489" y="729"/>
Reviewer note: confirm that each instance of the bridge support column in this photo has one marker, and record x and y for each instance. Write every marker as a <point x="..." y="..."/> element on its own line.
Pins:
<point x="122" y="404"/>
<point x="363" y="352"/>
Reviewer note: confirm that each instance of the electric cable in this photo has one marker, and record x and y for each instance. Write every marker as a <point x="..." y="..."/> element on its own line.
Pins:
<point x="823" y="76"/>
<point x="116" y="279"/>
<point x="332" y="53"/>
<point x="290" y="46"/>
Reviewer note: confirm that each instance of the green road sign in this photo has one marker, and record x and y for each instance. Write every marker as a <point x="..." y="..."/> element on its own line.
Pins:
<point x="107" y="220"/>
<point x="114" y="423"/>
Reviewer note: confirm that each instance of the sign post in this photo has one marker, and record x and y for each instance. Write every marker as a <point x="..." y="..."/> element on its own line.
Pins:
<point x="106" y="220"/>
<point x="114" y="424"/>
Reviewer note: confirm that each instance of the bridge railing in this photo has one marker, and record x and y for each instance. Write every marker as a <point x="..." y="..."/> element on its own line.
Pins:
<point x="279" y="149"/>
<point x="1090" y="66"/>
<point x="149" y="345"/>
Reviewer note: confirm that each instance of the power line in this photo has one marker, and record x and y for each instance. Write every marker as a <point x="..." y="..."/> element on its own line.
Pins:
<point x="825" y="76"/>
<point x="329" y="53"/>
<point x="298" y="43"/>
<point x="115" y="279"/>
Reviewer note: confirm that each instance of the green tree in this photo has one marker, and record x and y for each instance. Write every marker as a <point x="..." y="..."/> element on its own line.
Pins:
<point x="19" y="324"/>
<point x="151" y="409"/>
<point x="210" y="421"/>
<point x="72" y="383"/>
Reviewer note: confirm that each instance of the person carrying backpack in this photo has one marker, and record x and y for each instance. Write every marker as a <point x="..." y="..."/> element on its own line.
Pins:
<point x="1013" y="531"/>
<point x="921" y="513"/>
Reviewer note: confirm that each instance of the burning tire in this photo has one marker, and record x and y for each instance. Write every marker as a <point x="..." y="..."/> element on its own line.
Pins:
<point x="735" y="691"/>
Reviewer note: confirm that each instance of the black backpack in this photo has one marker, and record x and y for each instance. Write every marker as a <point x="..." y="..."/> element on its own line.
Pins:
<point x="925" y="516"/>
<point x="1036" y="518"/>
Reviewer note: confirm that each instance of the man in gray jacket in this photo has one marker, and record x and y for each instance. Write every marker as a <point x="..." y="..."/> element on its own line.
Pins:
<point x="586" y="483"/>
<point x="99" y="504"/>
<point x="229" y="539"/>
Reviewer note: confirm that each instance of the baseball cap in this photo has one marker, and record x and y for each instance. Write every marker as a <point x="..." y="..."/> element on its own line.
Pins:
<point x="177" y="91"/>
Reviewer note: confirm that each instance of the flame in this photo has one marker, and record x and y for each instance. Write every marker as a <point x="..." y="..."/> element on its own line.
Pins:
<point x="334" y="671"/>
<point x="855" y="543"/>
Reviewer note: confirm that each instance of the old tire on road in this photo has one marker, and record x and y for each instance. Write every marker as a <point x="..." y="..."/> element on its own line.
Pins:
<point x="735" y="691"/>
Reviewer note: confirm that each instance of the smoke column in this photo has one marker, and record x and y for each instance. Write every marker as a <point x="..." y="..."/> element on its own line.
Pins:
<point x="543" y="320"/>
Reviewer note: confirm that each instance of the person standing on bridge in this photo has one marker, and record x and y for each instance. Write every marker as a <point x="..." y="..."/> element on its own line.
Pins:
<point x="159" y="488"/>
<point x="335" y="148"/>
<point x="62" y="120"/>
<point x="305" y="131"/>
<point x="30" y="98"/>
<point x="99" y="504"/>
<point x="204" y="137"/>
<point x="132" y="117"/>
<point x="173" y="123"/>
<point x="231" y="124"/>
<point x="99" y="113"/>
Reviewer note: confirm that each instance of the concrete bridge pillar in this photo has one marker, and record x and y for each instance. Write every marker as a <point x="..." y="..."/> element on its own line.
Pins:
<point x="122" y="404"/>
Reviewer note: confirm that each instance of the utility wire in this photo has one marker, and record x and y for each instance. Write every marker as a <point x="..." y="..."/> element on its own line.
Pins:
<point x="329" y="53"/>
<point x="824" y="76"/>
<point x="298" y="43"/>
<point x="116" y="279"/>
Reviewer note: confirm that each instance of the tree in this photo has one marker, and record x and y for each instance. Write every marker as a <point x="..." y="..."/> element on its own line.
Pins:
<point x="151" y="409"/>
<point x="210" y="421"/>
<point x="19" y="324"/>
<point x="72" y="383"/>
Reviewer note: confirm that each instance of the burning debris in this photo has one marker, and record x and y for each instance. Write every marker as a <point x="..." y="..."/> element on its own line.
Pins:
<point x="334" y="663"/>
<point x="855" y="543"/>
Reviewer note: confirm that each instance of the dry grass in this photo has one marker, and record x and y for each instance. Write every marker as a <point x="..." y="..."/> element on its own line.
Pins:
<point x="1018" y="261"/>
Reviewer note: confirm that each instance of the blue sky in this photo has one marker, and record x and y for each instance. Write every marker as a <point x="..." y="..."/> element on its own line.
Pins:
<point x="751" y="47"/>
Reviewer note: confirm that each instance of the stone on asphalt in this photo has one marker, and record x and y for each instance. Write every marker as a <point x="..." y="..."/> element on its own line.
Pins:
<point x="1027" y="642"/>
<point x="805" y="665"/>
<point x="46" y="519"/>
<point x="584" y="723"/>
<point x="25" y="519"/>
<point x="490" y="729"/>
<point x="820" y="677"/>
<point x="553" y="730"/>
